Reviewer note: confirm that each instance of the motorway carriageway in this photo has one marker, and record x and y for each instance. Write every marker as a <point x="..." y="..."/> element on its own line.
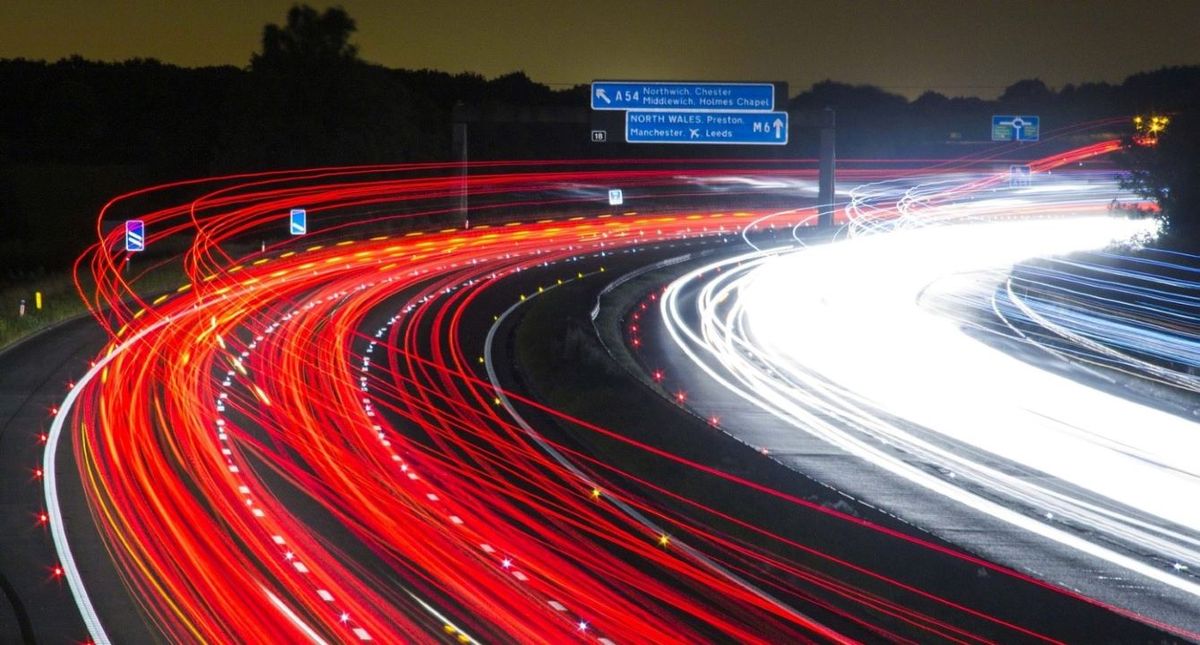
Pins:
<point x="254" y="366"/>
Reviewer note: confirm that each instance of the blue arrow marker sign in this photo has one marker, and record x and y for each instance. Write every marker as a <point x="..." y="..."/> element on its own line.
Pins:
<point x="298" y="221"/>
<point x="135" y="235"/>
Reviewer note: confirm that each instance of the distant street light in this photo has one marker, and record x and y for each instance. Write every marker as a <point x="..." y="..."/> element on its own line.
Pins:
<point x="1148" y="128"/>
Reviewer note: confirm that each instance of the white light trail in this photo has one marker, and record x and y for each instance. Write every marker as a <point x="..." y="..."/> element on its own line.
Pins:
<point x="861" y="343"/>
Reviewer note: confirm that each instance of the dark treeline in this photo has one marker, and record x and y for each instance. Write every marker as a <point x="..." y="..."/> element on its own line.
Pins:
<point x="189" y="122"/>
<point x="75" y="132"/>
<point x="276" y="114"/>
<point x="1168" y="171"/>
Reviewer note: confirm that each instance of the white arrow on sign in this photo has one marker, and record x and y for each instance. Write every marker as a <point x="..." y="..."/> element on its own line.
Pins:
<point x="602" y="95"/>
<point x="778" y="128"/>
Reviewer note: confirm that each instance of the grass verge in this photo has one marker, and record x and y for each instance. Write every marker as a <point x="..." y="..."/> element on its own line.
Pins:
<point x="61" y="301"/>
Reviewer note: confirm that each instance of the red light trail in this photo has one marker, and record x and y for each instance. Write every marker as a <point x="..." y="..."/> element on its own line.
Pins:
<point x="230" y="422"/>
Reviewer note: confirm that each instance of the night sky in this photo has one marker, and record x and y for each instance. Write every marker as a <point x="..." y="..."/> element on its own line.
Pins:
<point x="958" y="47"/>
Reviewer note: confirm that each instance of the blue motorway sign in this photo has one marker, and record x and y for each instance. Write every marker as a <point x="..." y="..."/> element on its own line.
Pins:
<point x="298" y="221"/>
<point x="135" y="235"/>
<point x="1011" y="127"/>
<point x="761" y="129"/>
<point x="1019" y="175"/>
<point x="677" y="96"/>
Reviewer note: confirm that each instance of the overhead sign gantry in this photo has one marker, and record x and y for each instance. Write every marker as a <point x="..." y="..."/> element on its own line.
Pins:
<point x="693" y="112"/>
<point x="700" y="112"/>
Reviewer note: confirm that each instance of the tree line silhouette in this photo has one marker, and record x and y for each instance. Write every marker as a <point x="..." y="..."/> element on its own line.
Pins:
<point x="75" y="132"/>
<point x="1168" y="171"/>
